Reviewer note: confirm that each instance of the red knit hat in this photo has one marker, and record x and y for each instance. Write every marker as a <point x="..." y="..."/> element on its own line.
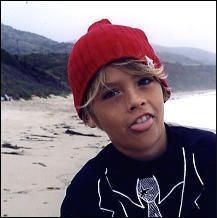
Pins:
<point x="104" y="43"/>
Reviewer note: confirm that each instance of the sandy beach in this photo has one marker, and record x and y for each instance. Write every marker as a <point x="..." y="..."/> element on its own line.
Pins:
<point x="39" y="156"/>
<point x="40" y="153"/>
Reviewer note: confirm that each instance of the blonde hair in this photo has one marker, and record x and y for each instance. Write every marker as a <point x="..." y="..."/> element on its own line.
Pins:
<point x="131" y="66"/>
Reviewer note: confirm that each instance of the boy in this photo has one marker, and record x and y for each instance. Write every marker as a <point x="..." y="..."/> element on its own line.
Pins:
<point x="149" y="169"/>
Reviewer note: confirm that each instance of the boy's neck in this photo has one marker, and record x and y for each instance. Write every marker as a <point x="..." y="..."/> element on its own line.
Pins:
<point x="148" y="154"/>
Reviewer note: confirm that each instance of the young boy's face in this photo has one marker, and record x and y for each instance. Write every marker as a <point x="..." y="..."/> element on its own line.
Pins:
<point x="131" y="112"/>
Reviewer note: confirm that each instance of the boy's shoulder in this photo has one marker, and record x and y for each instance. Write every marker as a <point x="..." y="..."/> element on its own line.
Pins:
<point x="191" y="133"/>
<point x="192" y="138"/>
<point x="83" y="185"/>
<point x="92" y="170"/>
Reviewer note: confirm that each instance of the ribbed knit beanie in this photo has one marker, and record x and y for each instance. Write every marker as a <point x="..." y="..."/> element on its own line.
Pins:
<point x="102" y="44"/>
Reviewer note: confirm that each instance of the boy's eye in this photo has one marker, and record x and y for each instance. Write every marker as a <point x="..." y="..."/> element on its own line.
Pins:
<point x="110" y="94"/>
<point x="145" y="81"/>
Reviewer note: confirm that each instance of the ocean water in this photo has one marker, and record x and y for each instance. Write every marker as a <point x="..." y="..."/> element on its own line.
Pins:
<point x="196" y="109"/>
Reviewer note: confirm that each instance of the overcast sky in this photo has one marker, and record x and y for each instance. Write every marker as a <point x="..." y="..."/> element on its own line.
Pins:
<point x="175" y="23"/>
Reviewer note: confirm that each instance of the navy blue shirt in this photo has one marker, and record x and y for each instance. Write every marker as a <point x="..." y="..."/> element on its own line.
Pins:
<point x="179" y="183"/>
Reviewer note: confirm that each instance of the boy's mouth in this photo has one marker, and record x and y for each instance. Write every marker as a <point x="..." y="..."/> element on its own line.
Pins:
<point x="142" y="123"/>
<point x="142" y="119"/>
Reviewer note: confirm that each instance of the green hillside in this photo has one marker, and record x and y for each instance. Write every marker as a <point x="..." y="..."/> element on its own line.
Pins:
<point x="21" y="79"/>
<point x="22" y="42"/>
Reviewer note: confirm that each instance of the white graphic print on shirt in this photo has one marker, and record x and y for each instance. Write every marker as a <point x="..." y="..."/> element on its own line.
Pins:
<point x="148" y="191"/>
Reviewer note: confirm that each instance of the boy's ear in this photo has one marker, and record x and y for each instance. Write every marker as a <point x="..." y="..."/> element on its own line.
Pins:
<point x="91" y="123"/>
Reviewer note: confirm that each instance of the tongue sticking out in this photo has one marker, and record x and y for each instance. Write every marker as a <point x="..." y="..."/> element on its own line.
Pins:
<point x="145" y="125"/>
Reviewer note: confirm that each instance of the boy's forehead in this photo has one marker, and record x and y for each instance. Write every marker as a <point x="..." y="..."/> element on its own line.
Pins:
<point x="112" y="74"/>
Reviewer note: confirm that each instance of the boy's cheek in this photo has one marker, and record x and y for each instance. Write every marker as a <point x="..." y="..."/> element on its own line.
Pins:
<point x="93" y="121"/>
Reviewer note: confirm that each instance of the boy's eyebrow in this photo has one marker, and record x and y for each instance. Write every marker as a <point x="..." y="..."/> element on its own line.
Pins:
<point x="111" y="84"/>
<point x="108" y="86"/>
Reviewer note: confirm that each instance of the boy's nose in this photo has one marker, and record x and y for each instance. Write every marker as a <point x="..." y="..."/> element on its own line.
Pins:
<point x="135" y="100"/>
